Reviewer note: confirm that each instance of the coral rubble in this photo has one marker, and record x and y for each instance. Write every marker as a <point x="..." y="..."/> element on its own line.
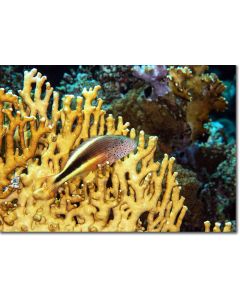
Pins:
<point x="37" y="137"/>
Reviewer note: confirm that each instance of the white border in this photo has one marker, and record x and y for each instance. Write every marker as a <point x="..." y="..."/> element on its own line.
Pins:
<point x="119" y="266"/>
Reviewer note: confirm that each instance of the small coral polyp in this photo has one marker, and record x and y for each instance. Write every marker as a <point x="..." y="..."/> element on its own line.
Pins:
<point x="227" y="227"/>
<point x="37" y="135"/>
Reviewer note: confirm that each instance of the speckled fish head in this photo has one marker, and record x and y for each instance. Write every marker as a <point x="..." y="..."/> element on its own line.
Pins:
<point x="95" y="151"/>
<point x="120" y="147"/>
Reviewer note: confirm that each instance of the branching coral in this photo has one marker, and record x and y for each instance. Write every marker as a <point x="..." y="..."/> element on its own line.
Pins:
<point x="16" y="148"/>
<point x="217" y="227"/>
<point x="135" y="194"/>
<point x="186" y="96"/>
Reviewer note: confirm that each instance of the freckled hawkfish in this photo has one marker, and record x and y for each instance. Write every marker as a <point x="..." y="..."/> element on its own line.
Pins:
<point x="93" y="152"/>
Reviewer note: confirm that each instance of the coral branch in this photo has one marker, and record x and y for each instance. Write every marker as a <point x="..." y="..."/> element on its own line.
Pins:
<point x="134" y="194"/>
<point x="18" y="143"/>
<point x="217" y="227"/>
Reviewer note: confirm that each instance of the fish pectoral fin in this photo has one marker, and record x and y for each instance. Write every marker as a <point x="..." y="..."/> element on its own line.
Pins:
<point x="49" y="179"/>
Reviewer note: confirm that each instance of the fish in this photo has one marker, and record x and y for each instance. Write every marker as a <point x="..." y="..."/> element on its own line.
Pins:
<point x="96" y="151"/>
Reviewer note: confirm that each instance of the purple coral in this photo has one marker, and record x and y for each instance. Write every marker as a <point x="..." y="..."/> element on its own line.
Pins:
<point x="156" y="76"/>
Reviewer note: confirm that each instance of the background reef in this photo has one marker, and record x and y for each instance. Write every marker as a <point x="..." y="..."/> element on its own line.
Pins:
<point x="190" y="108"/>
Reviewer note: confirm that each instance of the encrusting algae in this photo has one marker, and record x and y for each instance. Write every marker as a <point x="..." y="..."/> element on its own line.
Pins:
<point x="38" y="133"/>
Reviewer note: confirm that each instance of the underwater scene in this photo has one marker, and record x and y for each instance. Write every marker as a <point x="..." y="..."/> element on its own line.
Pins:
<point x="118" y="148"/>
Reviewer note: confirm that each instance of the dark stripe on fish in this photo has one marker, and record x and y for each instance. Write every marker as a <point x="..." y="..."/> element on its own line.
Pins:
<point x="75" y="164"/>
<point x="97" y="150"/>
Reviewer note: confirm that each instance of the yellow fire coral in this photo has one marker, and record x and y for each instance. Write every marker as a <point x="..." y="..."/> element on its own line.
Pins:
<point x="16" y="148"/>
<point x="217" y="227"/>
<point x="37" y="137"/>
